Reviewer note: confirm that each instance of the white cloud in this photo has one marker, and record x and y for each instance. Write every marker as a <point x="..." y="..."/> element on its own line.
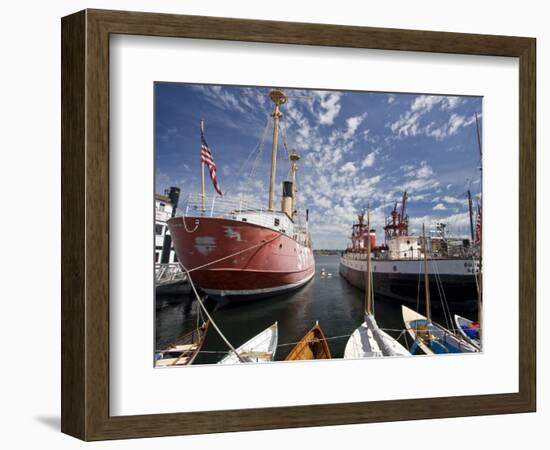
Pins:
<point x="353" y="123"/>
<point x="348" y="168"/>
<point x="439" y="207"/>
<point x="422" y="171"/>
<point x="451" y="102"/>
<point x="323" y="202"/>
<point x="450" y="128"/>
<point x="330" y="105"/>
<point x="425" y="103"/>
<point x="369" y="160"/>
<point x="409" y="124"/>
<point x="454" y="200"/>
<point x="419" y="185"/>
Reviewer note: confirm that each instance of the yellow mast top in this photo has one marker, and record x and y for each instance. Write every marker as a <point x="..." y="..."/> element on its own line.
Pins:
<point x="278" y="98"/>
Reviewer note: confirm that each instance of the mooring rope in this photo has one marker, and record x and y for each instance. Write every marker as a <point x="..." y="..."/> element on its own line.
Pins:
<point x="208" y="314"/>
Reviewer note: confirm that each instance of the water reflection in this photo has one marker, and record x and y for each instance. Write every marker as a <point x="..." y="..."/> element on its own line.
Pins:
<point x="332" y="301"/>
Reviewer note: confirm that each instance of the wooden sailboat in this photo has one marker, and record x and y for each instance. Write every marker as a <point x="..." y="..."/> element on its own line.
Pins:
<point x="312" y="346"/>
<point x="261" y="348"/>
<point x="469" y="329"/>
<point x="368" y="340"/>
<point x="183" y="350"/>
<point x="431" y="337"/>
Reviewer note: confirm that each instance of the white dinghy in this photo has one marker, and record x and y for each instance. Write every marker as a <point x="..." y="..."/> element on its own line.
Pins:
<point x="369" y="341"/>
<point x="361" y="344"/>
<point x="261" y="348"/>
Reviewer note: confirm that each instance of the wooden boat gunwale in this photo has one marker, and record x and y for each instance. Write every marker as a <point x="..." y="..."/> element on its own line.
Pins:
<point x="318" y="337"/>
<point x="172" y="347"/>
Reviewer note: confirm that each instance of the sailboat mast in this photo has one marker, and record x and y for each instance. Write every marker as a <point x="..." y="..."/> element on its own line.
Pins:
<point x="369" y="270"/>
<point x="278" y="98"/>
<point x="470" y="209"/>
<point x="479" y="274"/>
<point x="426" y="277"/>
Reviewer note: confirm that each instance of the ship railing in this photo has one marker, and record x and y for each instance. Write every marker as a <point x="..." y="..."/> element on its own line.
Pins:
<point x="361" y="254"/>
<point x="168" y="273"/>
<point x="235" y="208"/>
<point x="217" y="206"/>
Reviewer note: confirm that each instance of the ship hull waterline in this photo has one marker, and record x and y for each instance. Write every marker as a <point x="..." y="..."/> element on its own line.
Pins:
<point x="460" y="290"/>
<point x="235" y="261"/>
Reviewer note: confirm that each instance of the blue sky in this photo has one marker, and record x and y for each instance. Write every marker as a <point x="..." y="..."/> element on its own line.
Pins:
<point x="356" y="148"/>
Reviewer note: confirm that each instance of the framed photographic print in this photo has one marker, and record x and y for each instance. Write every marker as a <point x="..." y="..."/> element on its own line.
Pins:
<point x="270" y="225"/>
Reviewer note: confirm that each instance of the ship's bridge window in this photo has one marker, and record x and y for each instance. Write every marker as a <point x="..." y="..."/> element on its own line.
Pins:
<point x="158" y="229"/>
<point x="244" y="219"/>
<point x="395" y="268"/>
<point x="276" y="222"/>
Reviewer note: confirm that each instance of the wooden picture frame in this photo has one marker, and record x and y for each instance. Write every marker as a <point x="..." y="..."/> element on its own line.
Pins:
<point x="85" y="224"/>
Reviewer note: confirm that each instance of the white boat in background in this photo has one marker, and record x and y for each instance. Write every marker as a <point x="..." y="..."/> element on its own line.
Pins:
<point x="429" y="336"/>
<point x="469" y="330"/>
<point x="369" y="341"/>
<point x="261" y="348"/>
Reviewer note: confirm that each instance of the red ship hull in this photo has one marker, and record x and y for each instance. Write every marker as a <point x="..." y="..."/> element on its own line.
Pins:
<point x="238" y="260"/>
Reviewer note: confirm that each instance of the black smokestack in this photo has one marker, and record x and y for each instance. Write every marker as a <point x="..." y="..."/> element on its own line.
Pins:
<point x="174" y="195"/>
<point x="287" y="188"/>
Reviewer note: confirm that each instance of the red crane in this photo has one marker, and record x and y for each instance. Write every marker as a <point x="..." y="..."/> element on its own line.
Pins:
<point x="397" y="224"/>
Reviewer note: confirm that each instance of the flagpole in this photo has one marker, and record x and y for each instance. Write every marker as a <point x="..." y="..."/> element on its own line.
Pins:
<point x="202" y="190"/>
<point x="202" y="172"/>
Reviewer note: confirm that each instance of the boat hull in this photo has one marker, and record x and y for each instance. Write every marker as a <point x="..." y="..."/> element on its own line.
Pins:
<point x="232" y="260"/>
<point x="401" y="284"/>
<point x="312" y="346"/>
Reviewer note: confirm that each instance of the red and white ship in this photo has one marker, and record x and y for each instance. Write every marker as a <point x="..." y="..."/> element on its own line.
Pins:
<point x="235" y="250"/>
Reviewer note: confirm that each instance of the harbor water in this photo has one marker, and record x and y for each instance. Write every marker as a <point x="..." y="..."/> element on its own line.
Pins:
<point x="331" y="300"/>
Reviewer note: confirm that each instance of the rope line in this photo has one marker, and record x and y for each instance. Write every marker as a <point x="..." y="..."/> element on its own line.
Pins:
<point x="231" y="255"/>
<point x="208" y="314"/>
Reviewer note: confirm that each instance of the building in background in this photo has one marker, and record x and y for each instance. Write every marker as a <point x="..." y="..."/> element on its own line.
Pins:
<point x="165" y="208"/>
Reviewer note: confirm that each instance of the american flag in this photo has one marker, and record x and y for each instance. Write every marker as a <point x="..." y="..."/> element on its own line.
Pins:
<point x="208" y="159"/>
<point x="478" y="225"/>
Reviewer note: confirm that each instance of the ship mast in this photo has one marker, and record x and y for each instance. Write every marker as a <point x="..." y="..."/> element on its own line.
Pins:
<point x="294" y="158"/>
<point x="426" y="277"/>
<point x="278" y="98"/>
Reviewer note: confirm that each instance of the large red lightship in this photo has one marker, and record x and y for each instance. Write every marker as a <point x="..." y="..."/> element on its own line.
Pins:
<point x="235" y="250"/>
